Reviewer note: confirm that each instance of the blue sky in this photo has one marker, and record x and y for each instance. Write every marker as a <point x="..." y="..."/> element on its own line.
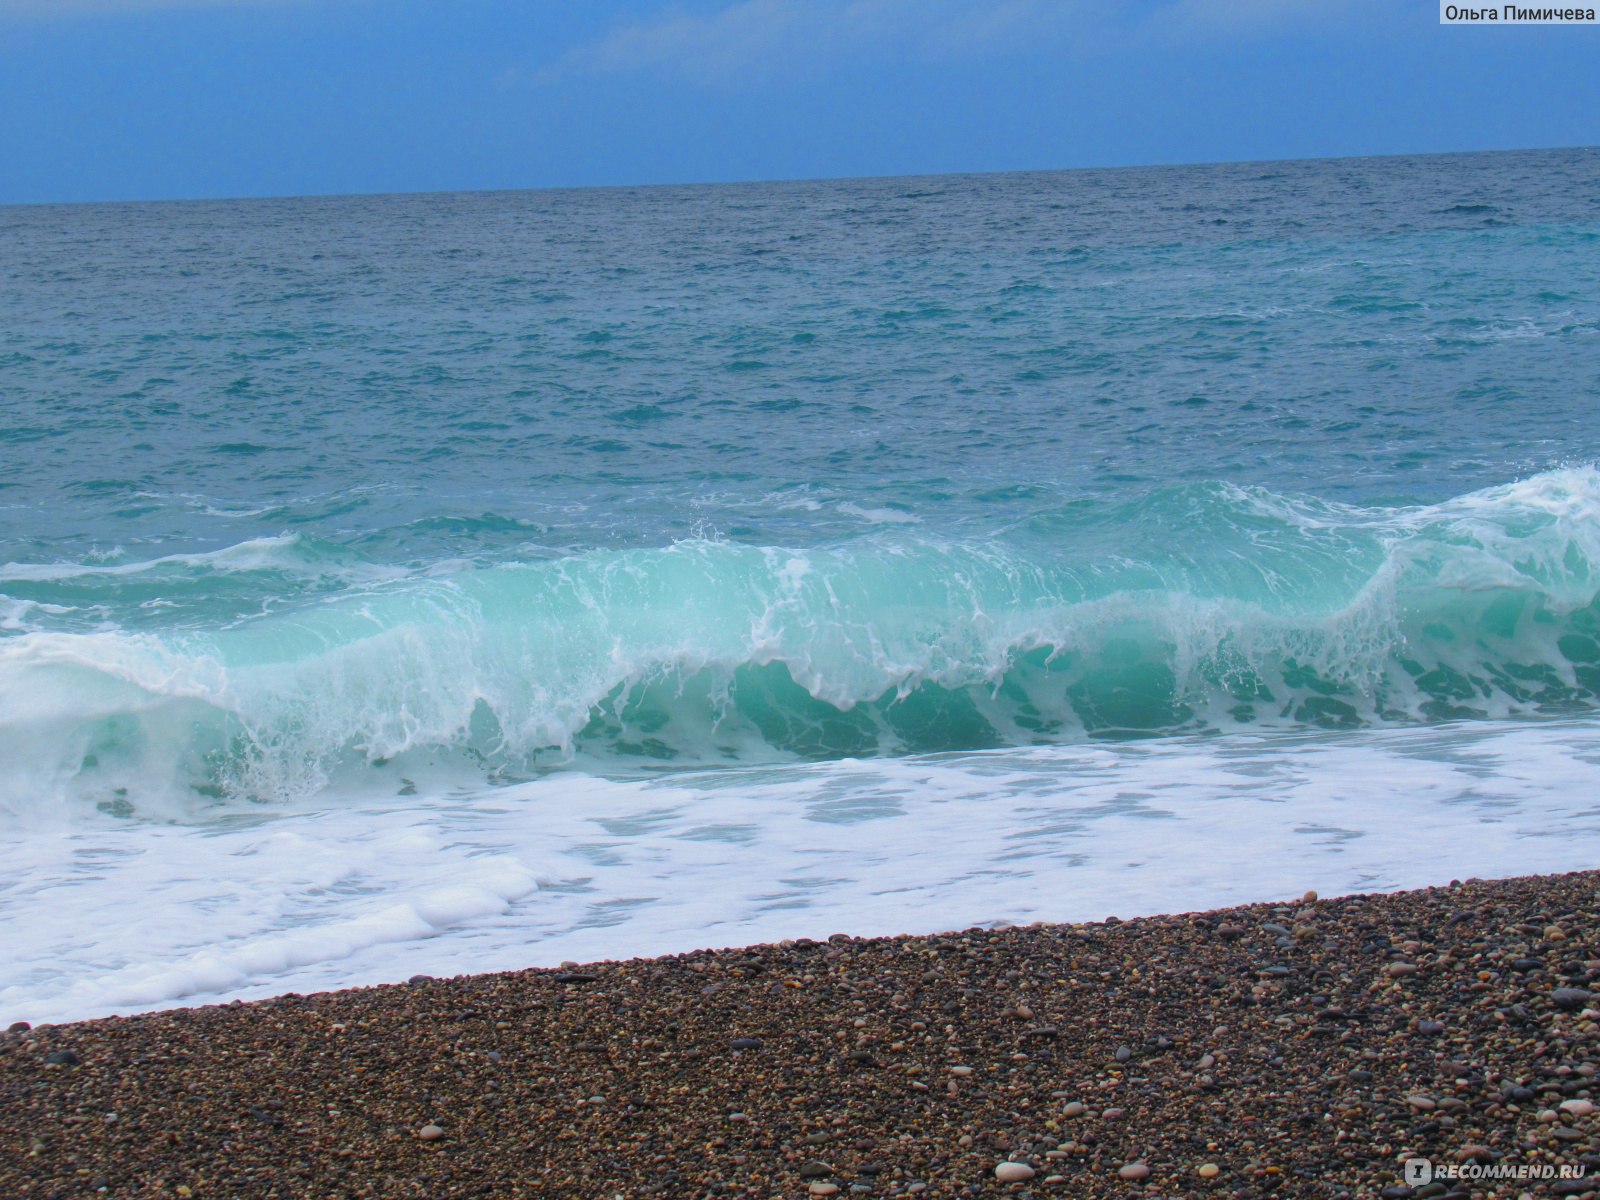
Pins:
<point x="136" y="99"/>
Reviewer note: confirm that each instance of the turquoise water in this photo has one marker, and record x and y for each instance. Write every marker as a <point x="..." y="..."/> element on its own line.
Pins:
<point x="300" y="490"/>
<point x="442" y="583"/>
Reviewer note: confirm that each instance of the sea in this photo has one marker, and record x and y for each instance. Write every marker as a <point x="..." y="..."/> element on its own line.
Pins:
<point x="429" y="584"/>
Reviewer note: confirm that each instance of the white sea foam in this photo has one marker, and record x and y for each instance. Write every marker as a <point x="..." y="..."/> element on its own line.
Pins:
<point x="254" y="554"/>
<point x="112" y="916"/>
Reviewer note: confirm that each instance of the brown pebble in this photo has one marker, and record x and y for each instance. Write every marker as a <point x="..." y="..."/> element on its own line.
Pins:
<point x="251" y="1092"/>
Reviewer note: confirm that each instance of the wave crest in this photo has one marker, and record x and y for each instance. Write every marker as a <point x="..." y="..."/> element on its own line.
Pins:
<point x="1207" y="608"/>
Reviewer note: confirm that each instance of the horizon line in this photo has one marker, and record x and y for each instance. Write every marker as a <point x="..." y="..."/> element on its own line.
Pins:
<point x="779" y="180"/>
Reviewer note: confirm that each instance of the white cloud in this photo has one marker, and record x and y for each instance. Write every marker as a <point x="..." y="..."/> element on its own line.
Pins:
<point x="755" y="39"/>
<point x="762" y="37"/>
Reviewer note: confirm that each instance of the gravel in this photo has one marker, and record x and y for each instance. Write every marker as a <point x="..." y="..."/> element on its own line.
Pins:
<point x="912" y="1066"/>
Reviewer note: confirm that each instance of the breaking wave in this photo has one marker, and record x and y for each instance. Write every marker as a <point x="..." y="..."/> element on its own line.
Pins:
<point x="1205" y="608"/>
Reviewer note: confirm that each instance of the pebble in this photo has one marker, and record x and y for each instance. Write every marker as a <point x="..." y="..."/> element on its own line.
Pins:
<point x="1396" y="969"/>
<point x="746" y="1043"/>
<point x="1123" y="1054"/>
<point x="666" y="1065"/>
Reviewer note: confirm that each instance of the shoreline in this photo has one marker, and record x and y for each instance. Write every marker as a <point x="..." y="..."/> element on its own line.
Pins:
<point x="1293" y="1048"/>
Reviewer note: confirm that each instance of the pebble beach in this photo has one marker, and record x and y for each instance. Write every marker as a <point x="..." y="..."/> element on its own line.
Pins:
<point x="1307" y="1047"/>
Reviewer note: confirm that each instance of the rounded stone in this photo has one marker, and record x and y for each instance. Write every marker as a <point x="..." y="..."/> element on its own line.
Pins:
<point x="1578" y="1108"/>
<point x="823" y="1189"/>
<point x="1209" y="1170"/>
<point x="1013" y="1172"/>
<point x="1075" y="1109"/>
<point x="430" y="1133"/>
<point x="1134" y="1172"/>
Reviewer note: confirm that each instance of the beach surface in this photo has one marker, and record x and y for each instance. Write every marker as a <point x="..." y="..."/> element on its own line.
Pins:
<point x="1300" y="1048"/>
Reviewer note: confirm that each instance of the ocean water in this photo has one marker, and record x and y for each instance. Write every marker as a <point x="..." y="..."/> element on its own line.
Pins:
<point x="424" y="584"/>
